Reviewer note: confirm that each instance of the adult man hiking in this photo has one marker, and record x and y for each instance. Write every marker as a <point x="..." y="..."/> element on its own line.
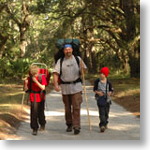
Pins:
<point x="68" y="69"/>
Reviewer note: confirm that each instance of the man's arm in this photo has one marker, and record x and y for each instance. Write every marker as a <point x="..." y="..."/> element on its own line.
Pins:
<point x="55" y="80"/>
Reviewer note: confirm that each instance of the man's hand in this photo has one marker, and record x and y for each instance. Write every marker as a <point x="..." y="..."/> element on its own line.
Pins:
<point x="57" y="88"/>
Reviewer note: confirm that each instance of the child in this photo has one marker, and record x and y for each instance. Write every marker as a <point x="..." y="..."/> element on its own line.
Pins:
<point x="33" y="85"/>
<point x="103" y="90"/>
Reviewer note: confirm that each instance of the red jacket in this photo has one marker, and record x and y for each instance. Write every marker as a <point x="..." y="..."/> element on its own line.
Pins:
<point x="35" y="88"/>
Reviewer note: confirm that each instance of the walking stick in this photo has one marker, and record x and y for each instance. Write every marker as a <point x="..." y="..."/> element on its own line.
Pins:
<point x="86" y="100"/>
<point x="22" y="104"/>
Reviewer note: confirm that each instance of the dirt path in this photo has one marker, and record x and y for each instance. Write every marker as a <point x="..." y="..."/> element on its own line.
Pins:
<point x="123" y="124"/>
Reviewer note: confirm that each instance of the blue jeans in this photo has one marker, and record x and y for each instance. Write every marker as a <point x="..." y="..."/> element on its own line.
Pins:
<point x="103" y="114"/>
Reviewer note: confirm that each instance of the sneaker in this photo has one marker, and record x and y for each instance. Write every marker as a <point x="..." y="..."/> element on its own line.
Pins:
<point x="76" y="131"/>
<point x="102" y="128"/>
<point x="69" y="129"/>
<point x="42" y="128"/>
<point x="34" y="132"/>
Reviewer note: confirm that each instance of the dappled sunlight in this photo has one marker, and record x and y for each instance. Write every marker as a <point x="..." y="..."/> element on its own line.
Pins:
<point x="124" y="127"/>
<point x="59" y="113"/>
<point x="114" y="114"/>
<point x="55" y="95"/>
<point x="128" y="93"/>
<point x="88" y="86"/>
<point x="92" y="113"/>
<point x="13" y="94"/>
<point x="54" y="113"/>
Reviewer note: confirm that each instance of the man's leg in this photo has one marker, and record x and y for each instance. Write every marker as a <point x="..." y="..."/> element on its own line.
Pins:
<point x="68" y="114"/>
<point x="76" y="103"/>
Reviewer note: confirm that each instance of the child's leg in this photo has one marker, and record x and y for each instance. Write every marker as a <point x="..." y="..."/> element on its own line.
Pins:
<point x="41" y="114"/>
<point x="107" y="113"/>
<point x="102" y="116"/>
<point x="34" y="116"/>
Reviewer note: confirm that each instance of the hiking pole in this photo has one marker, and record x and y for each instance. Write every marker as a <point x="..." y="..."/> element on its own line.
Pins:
<point x="86" y="100"/>
<point x="22" y="104"/>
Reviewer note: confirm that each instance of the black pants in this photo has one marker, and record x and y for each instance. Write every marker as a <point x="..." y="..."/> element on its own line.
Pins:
<point x="103" y="114"/>
<point x="37" y="115"/>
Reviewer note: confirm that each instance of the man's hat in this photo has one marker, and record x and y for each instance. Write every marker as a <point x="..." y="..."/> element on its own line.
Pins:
<point x="67" y="45"/>
<point x="105" y="71"/>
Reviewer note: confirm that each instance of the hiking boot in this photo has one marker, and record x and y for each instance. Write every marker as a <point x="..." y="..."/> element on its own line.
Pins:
<point x="102" y="128"/>
<point x="34" y="132"/>
<point x="42" y="128"/>
<point x="76" y="131"/>
<point x="69" y="129"/>
<point x="106" y="127"/>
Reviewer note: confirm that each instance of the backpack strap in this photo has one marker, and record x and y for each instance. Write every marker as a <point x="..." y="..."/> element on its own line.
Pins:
<point x="61" y="61"/>
<point x="78" y="63"/>
<point x="44" y="91"/>
<point x="106" y="88"/>
<point x="40" y="78"/>
<point x="110" y="86"/>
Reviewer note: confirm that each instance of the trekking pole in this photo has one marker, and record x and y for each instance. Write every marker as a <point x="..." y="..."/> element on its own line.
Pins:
<point x="86" y="100"/>
<point x="22" y="104"/>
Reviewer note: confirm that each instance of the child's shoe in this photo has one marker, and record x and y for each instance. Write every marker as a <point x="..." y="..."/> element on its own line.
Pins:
<point x="102" y="128"/>
<point x="34" y="132"/>
<point x="42" y="128"/>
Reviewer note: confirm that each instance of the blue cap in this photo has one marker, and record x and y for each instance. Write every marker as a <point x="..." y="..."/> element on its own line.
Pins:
<point x="67" y="45"/>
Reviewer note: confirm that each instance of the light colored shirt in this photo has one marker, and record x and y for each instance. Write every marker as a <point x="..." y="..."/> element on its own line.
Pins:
<point x="70" y="72"/>
<point x="102" y="87"/>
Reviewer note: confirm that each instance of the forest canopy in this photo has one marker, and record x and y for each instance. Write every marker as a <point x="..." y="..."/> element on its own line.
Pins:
<point x="109" y="33"/>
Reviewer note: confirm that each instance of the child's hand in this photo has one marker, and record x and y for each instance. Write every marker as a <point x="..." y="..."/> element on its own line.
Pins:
<point x="34" y="79"/>
<point x="109" y="93"/>
<point x="25" y="85"/>
<point x="26" y="81"/>
<point x="100" y="93"/>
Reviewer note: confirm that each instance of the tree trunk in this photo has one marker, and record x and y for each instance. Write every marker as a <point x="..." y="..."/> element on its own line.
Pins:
<point x="2" y="45"/>
<point x="134" y="60"/>
<point x="24" y="27"/>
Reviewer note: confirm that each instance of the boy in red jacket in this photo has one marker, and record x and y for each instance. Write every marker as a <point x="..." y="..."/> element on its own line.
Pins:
<point x="37" y="98"/>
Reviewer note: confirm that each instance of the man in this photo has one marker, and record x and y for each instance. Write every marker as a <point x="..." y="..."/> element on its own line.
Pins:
<point x="69" y="69"/>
